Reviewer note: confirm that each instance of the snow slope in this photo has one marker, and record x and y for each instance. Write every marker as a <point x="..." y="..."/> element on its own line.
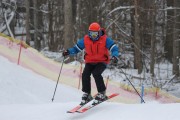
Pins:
<point x="33" y="60"/>
<point x="25" y="95"/>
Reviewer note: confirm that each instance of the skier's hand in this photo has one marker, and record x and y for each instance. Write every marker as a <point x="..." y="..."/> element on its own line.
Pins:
<point x="114" y="60"/>
<point x="65" y="53"/>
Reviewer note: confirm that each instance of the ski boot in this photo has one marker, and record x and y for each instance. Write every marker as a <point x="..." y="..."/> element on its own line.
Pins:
<point x="100" y="97"/>
<point x="86" y="98"/>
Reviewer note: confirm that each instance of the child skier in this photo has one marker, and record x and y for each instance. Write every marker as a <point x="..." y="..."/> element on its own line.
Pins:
<point x="97" y="46"/>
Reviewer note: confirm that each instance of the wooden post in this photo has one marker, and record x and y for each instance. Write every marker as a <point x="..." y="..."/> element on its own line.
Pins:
<point x="80" y="75"/>
<point x="19" y="52"/>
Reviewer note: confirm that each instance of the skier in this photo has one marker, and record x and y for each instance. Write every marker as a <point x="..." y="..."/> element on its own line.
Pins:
<point x="97" y="46"/>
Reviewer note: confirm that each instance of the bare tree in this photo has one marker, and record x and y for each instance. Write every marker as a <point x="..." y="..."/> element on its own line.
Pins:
<point x="35" y="24"/>
<point x="55" y="25"/>
<point x="169" y="33"/>
<point x="50" y="25"/>
<point x="137" y="40"/>
<point x="153" y="41"/>
<point x="68" y="26"/>
<point x="28" y="37"/>
<point x="176" y="41"/>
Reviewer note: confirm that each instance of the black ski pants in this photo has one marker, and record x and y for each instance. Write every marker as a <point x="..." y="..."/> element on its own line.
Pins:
<point x="96" y="69"/>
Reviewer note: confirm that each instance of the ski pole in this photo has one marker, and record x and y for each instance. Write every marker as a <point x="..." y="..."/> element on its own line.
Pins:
<point x="132" y="85"/>
<point x="58" y="79"/>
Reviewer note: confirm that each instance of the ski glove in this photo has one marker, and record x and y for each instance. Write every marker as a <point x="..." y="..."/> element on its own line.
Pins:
<point x="66" y="53"/>
<point x="114" y="60"/>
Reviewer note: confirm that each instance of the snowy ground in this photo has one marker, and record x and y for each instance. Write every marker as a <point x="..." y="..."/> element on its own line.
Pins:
<point x="25" y="95"/>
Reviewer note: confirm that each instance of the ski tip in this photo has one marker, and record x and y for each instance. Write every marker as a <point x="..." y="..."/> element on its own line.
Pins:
<point x="113" y="95"/>
<point x="69" y="112"/>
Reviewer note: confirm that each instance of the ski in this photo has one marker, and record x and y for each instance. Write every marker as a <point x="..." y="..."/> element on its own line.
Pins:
<point x="91" y="106"/>
<point x="75" y="109"/>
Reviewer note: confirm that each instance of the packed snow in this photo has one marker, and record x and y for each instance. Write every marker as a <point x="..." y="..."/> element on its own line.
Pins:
<point x="25" y="95"/>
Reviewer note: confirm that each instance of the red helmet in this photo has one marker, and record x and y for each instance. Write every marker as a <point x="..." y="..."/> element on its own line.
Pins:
<point x="94" y="27"/>
<point x="94" y="31"/>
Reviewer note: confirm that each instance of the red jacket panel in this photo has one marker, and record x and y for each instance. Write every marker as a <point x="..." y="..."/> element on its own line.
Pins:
<point x="96" y="51"/>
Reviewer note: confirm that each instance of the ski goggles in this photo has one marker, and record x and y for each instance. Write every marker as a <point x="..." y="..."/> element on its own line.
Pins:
<point x="94" y="34"/>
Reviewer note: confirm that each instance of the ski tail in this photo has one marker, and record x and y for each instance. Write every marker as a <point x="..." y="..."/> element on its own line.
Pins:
<point x="113" y="95"/>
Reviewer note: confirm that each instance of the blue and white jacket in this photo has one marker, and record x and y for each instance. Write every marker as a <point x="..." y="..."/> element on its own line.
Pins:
<point x="110" y="45"/>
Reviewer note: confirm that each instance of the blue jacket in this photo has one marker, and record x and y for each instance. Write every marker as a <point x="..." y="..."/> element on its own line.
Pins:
<point x="110" y="45"/>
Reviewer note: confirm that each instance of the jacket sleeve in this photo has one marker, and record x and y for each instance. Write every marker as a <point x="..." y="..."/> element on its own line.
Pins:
<point x="78" y="47"/>
<point x="112" y="47"/>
